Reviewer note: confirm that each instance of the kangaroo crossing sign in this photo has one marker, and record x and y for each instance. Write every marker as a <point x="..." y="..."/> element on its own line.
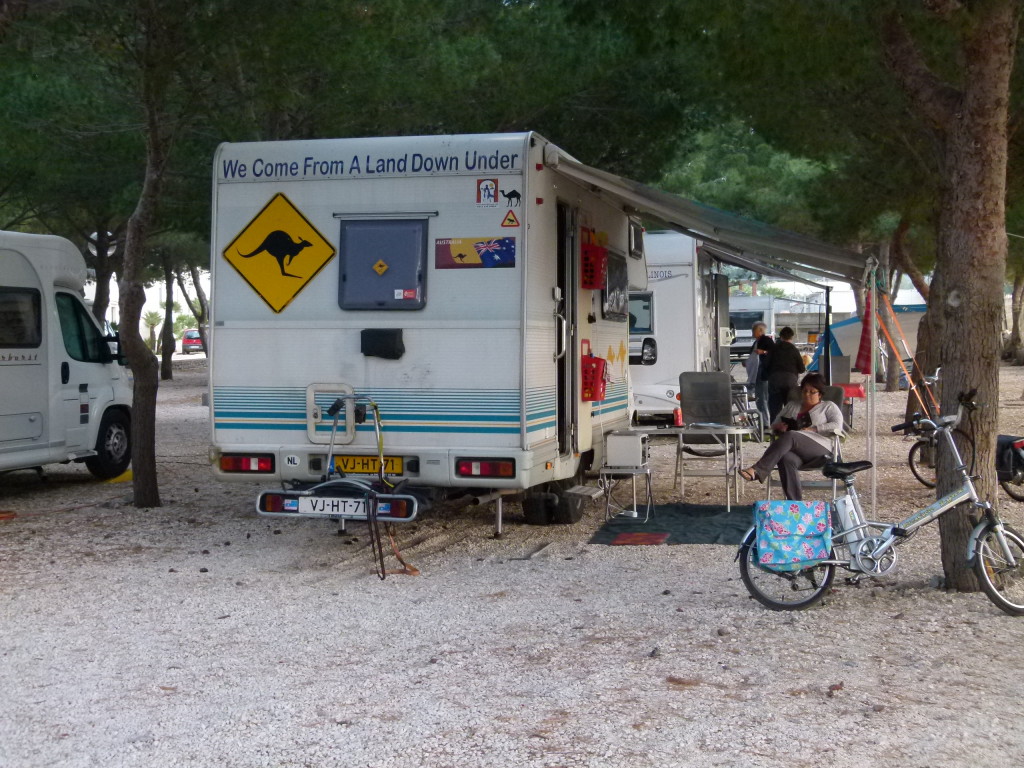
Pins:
<point x="279" y="252"/>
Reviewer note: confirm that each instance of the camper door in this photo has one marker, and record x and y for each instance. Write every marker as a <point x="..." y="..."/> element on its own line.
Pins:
<point x="565" y="329"/>
<point x="83" y="350"/>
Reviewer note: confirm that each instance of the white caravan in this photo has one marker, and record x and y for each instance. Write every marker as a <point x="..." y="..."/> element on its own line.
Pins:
<point x="744" y="311"/>
<point x="64" y="395"/>
<point x="475" y="294"/>
<point x="675" y="324"/>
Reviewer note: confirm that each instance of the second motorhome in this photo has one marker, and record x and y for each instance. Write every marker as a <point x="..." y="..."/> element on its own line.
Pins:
<point x="462" y="285"/>
<point x="64" y="395"/>
<point x="676" y="323"/>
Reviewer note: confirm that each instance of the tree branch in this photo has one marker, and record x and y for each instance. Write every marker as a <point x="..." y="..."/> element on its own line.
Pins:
<point x="937" y="100"/>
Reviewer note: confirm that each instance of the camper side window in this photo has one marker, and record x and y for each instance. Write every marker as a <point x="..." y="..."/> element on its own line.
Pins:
<point x="641" y="312"/>
<point x="383" y="264"/>
<point x="82" y="339"/>
<point x="20" y="318"/>
<point x="615" y="296"/>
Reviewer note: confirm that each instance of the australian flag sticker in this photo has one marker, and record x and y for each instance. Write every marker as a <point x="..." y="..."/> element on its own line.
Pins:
<point x="474" y="252"/>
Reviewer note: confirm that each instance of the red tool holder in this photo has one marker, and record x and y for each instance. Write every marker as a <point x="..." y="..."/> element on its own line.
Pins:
<point x="593" y="372"/>
<point x="593" y="260"/>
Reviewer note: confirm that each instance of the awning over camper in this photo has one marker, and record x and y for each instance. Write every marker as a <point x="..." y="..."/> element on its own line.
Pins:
<point x="741" y="239"/>
<point x="727" y="256"/>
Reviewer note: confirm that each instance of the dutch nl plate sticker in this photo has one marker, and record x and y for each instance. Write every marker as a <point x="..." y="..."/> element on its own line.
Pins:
<point x="279" y="252"/>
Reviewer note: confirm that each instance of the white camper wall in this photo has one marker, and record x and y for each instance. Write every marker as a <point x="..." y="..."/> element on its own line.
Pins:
<point x="461" y="368"/>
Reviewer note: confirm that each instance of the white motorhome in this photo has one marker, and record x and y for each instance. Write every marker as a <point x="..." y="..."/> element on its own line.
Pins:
<point x="461" y="283"/>
<point x="64" y="395"/>
<point x="675" y="324"/>
<point x="744" y="311"/>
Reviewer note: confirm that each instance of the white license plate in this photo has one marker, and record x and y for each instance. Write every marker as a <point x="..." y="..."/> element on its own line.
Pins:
<point x="340" y="506"/>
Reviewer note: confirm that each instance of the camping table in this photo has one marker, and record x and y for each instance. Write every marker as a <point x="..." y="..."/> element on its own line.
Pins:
<point x="727" y="437"/>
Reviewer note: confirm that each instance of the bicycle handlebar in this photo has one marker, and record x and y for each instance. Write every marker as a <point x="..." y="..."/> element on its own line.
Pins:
<point x="965" y="401"/>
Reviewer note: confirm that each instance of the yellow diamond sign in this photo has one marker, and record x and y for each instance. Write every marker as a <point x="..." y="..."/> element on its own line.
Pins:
<point x="279" y="252"/>
<point x="380" y="267"/>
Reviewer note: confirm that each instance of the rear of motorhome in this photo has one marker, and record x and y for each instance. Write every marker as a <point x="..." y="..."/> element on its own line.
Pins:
<point x="675" y="323"/>
<point x="64" y="395"/>
<point x="744" y="311"/>
<point x="462" y="286"/>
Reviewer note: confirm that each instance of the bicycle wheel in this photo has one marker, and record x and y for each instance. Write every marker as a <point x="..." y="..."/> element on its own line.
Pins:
<point x="1013" y="490"/>
<point x="922" y="457"/>
<point x="782" y="591"/>
<point x="1003" y="583"/>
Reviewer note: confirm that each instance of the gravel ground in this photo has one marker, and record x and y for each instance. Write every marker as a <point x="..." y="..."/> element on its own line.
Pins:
<point x="198" y="634"/>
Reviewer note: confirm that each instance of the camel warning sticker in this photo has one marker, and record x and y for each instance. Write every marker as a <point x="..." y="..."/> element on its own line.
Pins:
<point x="279" y="252"/>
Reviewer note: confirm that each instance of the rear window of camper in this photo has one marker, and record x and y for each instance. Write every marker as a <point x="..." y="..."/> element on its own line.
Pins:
<point x="20" y="324"/>
<point x="383" y="264"/>
<point x="744" y="321"/>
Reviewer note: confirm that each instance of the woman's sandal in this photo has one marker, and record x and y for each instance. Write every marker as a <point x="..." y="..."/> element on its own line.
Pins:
<point x="748" y="475"/>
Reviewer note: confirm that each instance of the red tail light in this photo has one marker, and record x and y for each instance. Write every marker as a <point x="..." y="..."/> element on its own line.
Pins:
<point x="273" y="502"/>
<point x="259" y="463"/>
<point x="485" y="467"/>
<point x="398" y="508"/>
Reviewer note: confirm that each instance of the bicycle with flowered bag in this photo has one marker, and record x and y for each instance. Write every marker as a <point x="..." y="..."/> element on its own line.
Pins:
<point x="788" y="560"/>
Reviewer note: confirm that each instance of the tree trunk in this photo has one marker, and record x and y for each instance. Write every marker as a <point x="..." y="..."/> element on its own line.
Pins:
<point x="105" y="264"/>
<point x="972" y="126"/>
<point x="167" y="333"/>
<point x="1014" y="347"/>
<point x="900" y="254"/>
<point x="142" y="361"/>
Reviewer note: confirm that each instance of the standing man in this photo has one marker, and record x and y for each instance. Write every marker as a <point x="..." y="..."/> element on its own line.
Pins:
<point x="757" y="368"/>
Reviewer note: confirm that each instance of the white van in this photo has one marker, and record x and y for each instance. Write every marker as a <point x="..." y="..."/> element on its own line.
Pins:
<point x="475" y="293"/>
<point x="744" y="311"/>
<point x="676" y="323"/>
<point x="64" y="394"/>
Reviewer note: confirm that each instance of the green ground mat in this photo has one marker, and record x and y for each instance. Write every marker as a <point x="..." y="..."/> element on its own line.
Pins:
<point x="679" y="523"/>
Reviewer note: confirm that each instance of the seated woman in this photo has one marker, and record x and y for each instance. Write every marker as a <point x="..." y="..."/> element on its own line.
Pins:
<point x="805" y="428"/>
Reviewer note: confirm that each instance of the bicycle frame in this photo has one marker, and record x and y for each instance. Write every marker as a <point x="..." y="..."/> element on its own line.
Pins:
<point x="893" y="533"/>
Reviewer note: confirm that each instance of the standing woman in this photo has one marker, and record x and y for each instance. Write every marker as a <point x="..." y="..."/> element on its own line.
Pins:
<point x="785" y="364"/>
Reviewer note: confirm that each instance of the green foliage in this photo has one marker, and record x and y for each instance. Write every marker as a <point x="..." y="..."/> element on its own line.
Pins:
<point x="732" y="168"/>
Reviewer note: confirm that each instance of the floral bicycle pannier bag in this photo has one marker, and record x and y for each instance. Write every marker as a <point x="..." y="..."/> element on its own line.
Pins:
<point x="792" y="534"/>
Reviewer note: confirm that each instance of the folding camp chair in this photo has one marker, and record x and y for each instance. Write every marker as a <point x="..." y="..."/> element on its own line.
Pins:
<point x="711" y="432"/>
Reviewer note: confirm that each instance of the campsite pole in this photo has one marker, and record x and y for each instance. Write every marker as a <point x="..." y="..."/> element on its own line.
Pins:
<point x="828" y="335"/>
<point x="872" y="412"/>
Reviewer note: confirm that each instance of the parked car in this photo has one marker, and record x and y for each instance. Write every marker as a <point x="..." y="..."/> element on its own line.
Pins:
<point x="191" y="342"/>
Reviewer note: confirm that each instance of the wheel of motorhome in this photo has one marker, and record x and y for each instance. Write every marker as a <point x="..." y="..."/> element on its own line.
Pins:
<point x="113" y="446"/>
<point x="550" y="505"/>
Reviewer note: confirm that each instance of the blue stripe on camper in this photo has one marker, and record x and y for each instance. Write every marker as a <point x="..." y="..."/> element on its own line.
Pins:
<point x="541" y="408"/>
<point x="402" y="410"/>
<point x="616" y="399"/>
